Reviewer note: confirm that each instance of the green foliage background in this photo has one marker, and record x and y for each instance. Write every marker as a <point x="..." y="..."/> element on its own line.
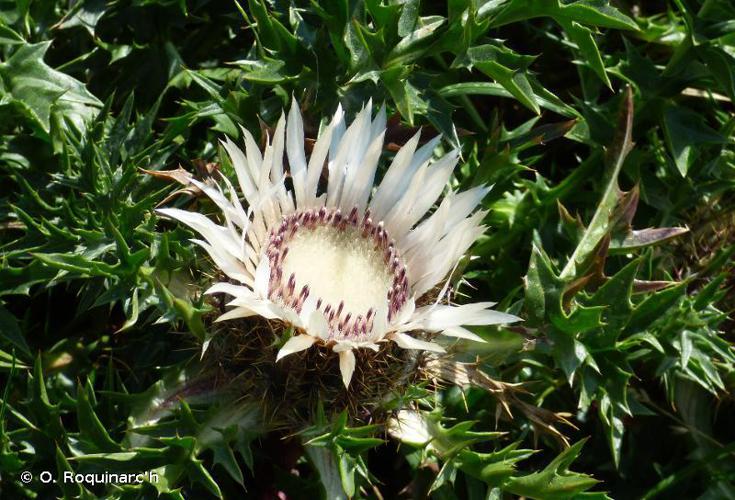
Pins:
<point x="625" y="311"/>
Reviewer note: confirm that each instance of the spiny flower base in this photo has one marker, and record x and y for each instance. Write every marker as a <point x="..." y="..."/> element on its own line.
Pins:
<point x="290" y="391"/>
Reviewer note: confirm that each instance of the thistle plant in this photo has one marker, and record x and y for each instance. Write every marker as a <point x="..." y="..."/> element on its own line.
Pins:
<point x="225" y="273"/>
<point x="347" y="268"/>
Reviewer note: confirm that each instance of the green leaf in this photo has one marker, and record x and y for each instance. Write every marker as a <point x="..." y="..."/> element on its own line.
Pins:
<point x="8" y="361"/>
<point x="46" y="413"/>
<point x="601" y="223"/>
<point x="722" y="66"/>
<point x="407" y="98"/>
<point x="357" y="444"/>
<point x="585" y="41"/>
<point x="614" y="295"/>
<point x="77" y="264"/>
<point x="685" y="131"/>
<point x="90" y="426"/>
<point x="272" y="34"/>
<point x="71" y="489"/>
<point x="492" y="468"/>
<point x="8" y="36"/>
<point x="85" y="14"/>
<point x="329" y="474"/>
<point x="654" y="307"/>
<point x="409" y="16"/>
<point x="490" y="60"/>
<point x="708" y="293"/>
<point x="10" y="331"/>
<point x="495" y="89"/>
<point x="346" y="467"/>
<point x="39" y="91"/>
<point x="264" y="71"/>
<point x="555" y="481"/>
<point x="132" y="461"/>
<point x="612" y="419"/>
<point x="594" y="13"/>
<point x="587" y="12"/>
<point x="133" y="309"/>
<point x="224" y="456"/>
<point x="543" y="288"/>
<point x="359" y="54"/>
<point x="412" y="46"/>
<point x="197" y="472"/>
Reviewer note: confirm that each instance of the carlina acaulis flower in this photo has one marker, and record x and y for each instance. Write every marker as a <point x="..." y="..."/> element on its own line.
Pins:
<point x="346" y="267"/>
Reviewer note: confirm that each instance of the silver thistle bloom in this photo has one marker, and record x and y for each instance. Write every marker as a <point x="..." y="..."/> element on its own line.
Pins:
<point x="345" y="267"/>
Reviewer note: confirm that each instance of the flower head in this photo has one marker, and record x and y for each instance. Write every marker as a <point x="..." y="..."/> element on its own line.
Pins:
<point x="345" y="267"/>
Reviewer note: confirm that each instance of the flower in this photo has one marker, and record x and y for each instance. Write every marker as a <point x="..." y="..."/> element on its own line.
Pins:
<point x="345" y="267"/>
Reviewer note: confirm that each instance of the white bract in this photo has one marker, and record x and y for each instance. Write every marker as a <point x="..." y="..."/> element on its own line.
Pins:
<point x="344" y="267"/>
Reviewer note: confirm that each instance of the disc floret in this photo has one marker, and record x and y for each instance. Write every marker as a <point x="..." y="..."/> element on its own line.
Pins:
<point x="347" y="266"/>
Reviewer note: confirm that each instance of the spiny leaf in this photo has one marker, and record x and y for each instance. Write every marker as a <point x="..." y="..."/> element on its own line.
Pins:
<point x="585" y="41"/>
<point x="90" y="426"/>
<point x="643" y="238"/>
<point x="614" y="295"/>
<point x="556" y="481"/>
<point x="10" y="331"/>
<point x="587" y="12"/>
<point x="38" y="90"/>
<point x="490" y="60"/>
<point x="600" y="224"/>
<point x="653" y="307"/>
<point x="684" y="131"/>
